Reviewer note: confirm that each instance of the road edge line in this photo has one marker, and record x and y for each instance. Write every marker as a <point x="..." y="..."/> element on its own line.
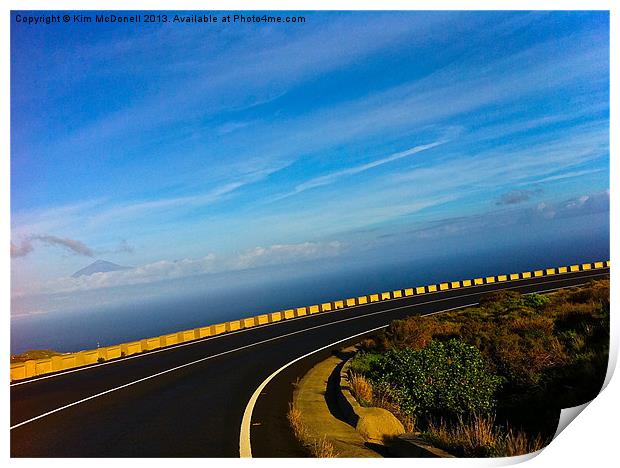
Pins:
<point x="245" y="445"/>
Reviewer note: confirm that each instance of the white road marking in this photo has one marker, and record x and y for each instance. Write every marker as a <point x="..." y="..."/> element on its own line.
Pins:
<point x="245" y="446"/>
<point x="223" y="335"/>
<point x="357" y="317"/>
<point x="195" y="362"/>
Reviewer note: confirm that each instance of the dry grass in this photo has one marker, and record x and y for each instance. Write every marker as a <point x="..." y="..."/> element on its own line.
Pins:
<point x="322" y="448"/>
<point x="319" y="447"/>
<point x="517" y="443"/>
<point x="476" y="438"/>
<point x="296" y="422"/>
<point x="480" y="437"/>
<point x="362" y="389"/>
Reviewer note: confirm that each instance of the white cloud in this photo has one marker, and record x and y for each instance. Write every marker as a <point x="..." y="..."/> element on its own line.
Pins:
<point x="334" y="176"/>
<point x="172" y="269"/>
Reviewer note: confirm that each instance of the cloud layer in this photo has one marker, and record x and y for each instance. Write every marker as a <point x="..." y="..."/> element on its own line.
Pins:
<point x="279" y="254"/>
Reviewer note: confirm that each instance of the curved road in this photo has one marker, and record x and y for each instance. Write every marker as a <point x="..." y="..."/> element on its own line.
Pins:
<point x="189" y="400"/>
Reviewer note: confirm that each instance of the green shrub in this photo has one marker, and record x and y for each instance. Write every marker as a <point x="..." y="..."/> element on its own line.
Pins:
<point x="362" y="362"/>
<point x="447" y="379"/>
<point x="535" y="301"/>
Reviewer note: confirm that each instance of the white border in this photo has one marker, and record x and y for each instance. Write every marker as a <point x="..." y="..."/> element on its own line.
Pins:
<point x="589" y="442"/>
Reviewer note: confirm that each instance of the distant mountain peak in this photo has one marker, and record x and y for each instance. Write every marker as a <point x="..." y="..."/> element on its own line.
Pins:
<point x="99" y="266"/>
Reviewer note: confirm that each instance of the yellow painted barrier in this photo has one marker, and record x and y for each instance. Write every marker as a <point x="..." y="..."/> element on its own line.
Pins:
<point x="43" y="366"/>
<point x="233" y="325"/>
<point x="89" y="357"/>
<point x="219" y="328"/>
<point x="134" y="347"/>
<point x="56" y="363"/>
<point x="18" y="371"/>
<point x="170" y="339"/>
<point x="68" y="362"/>
<point x="607" y="263"/>
<point x="248" y="322"/>
<point x="113" y="352"/>
<point x="203" y="332"/>
<point x="152" y="343"/>
<point x="186" y="335"/>
<point x="31" y="368"/>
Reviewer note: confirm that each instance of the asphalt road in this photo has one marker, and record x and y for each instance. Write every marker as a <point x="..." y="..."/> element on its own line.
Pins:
<point x="188" y="400"/>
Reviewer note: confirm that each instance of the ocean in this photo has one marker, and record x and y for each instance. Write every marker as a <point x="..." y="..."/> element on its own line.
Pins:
<point x="209" y="299"/>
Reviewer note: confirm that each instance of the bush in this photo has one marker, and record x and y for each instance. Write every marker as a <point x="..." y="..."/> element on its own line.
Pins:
<point x="362" y="362"/>
<point x="535" y="301"/>
<point x="447" y="379"/>
<point x="416" y="332"/>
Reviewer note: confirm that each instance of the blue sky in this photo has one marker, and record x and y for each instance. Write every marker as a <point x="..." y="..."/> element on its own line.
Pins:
<point x="183" y="150"/>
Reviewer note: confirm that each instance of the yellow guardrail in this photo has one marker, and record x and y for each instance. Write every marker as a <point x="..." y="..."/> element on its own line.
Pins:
<point x="32" y="368"/>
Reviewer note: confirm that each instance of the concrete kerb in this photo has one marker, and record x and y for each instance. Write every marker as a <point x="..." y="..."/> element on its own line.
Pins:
<point x="311" y="397"/>
<point x="406" y="445"/>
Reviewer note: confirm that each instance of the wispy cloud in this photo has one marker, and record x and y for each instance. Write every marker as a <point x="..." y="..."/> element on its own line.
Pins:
<point x="74" y="246"/>
<point x="515" y="197"/>
<point x="192" y="161"/>
<point x="334" y="176"/>
<point x="21" y="250"/>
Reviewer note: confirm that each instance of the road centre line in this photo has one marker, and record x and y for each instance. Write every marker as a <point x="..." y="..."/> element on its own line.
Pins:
<point x="83" y="400"/>
<point x="223" y="335"/>
<point x="357" y="317"/>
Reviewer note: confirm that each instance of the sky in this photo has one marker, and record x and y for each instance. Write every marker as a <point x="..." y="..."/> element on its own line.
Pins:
<point x="183" y="150"/>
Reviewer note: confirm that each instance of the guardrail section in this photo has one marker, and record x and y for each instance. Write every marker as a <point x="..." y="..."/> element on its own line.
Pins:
<point x="33" y="368"/>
